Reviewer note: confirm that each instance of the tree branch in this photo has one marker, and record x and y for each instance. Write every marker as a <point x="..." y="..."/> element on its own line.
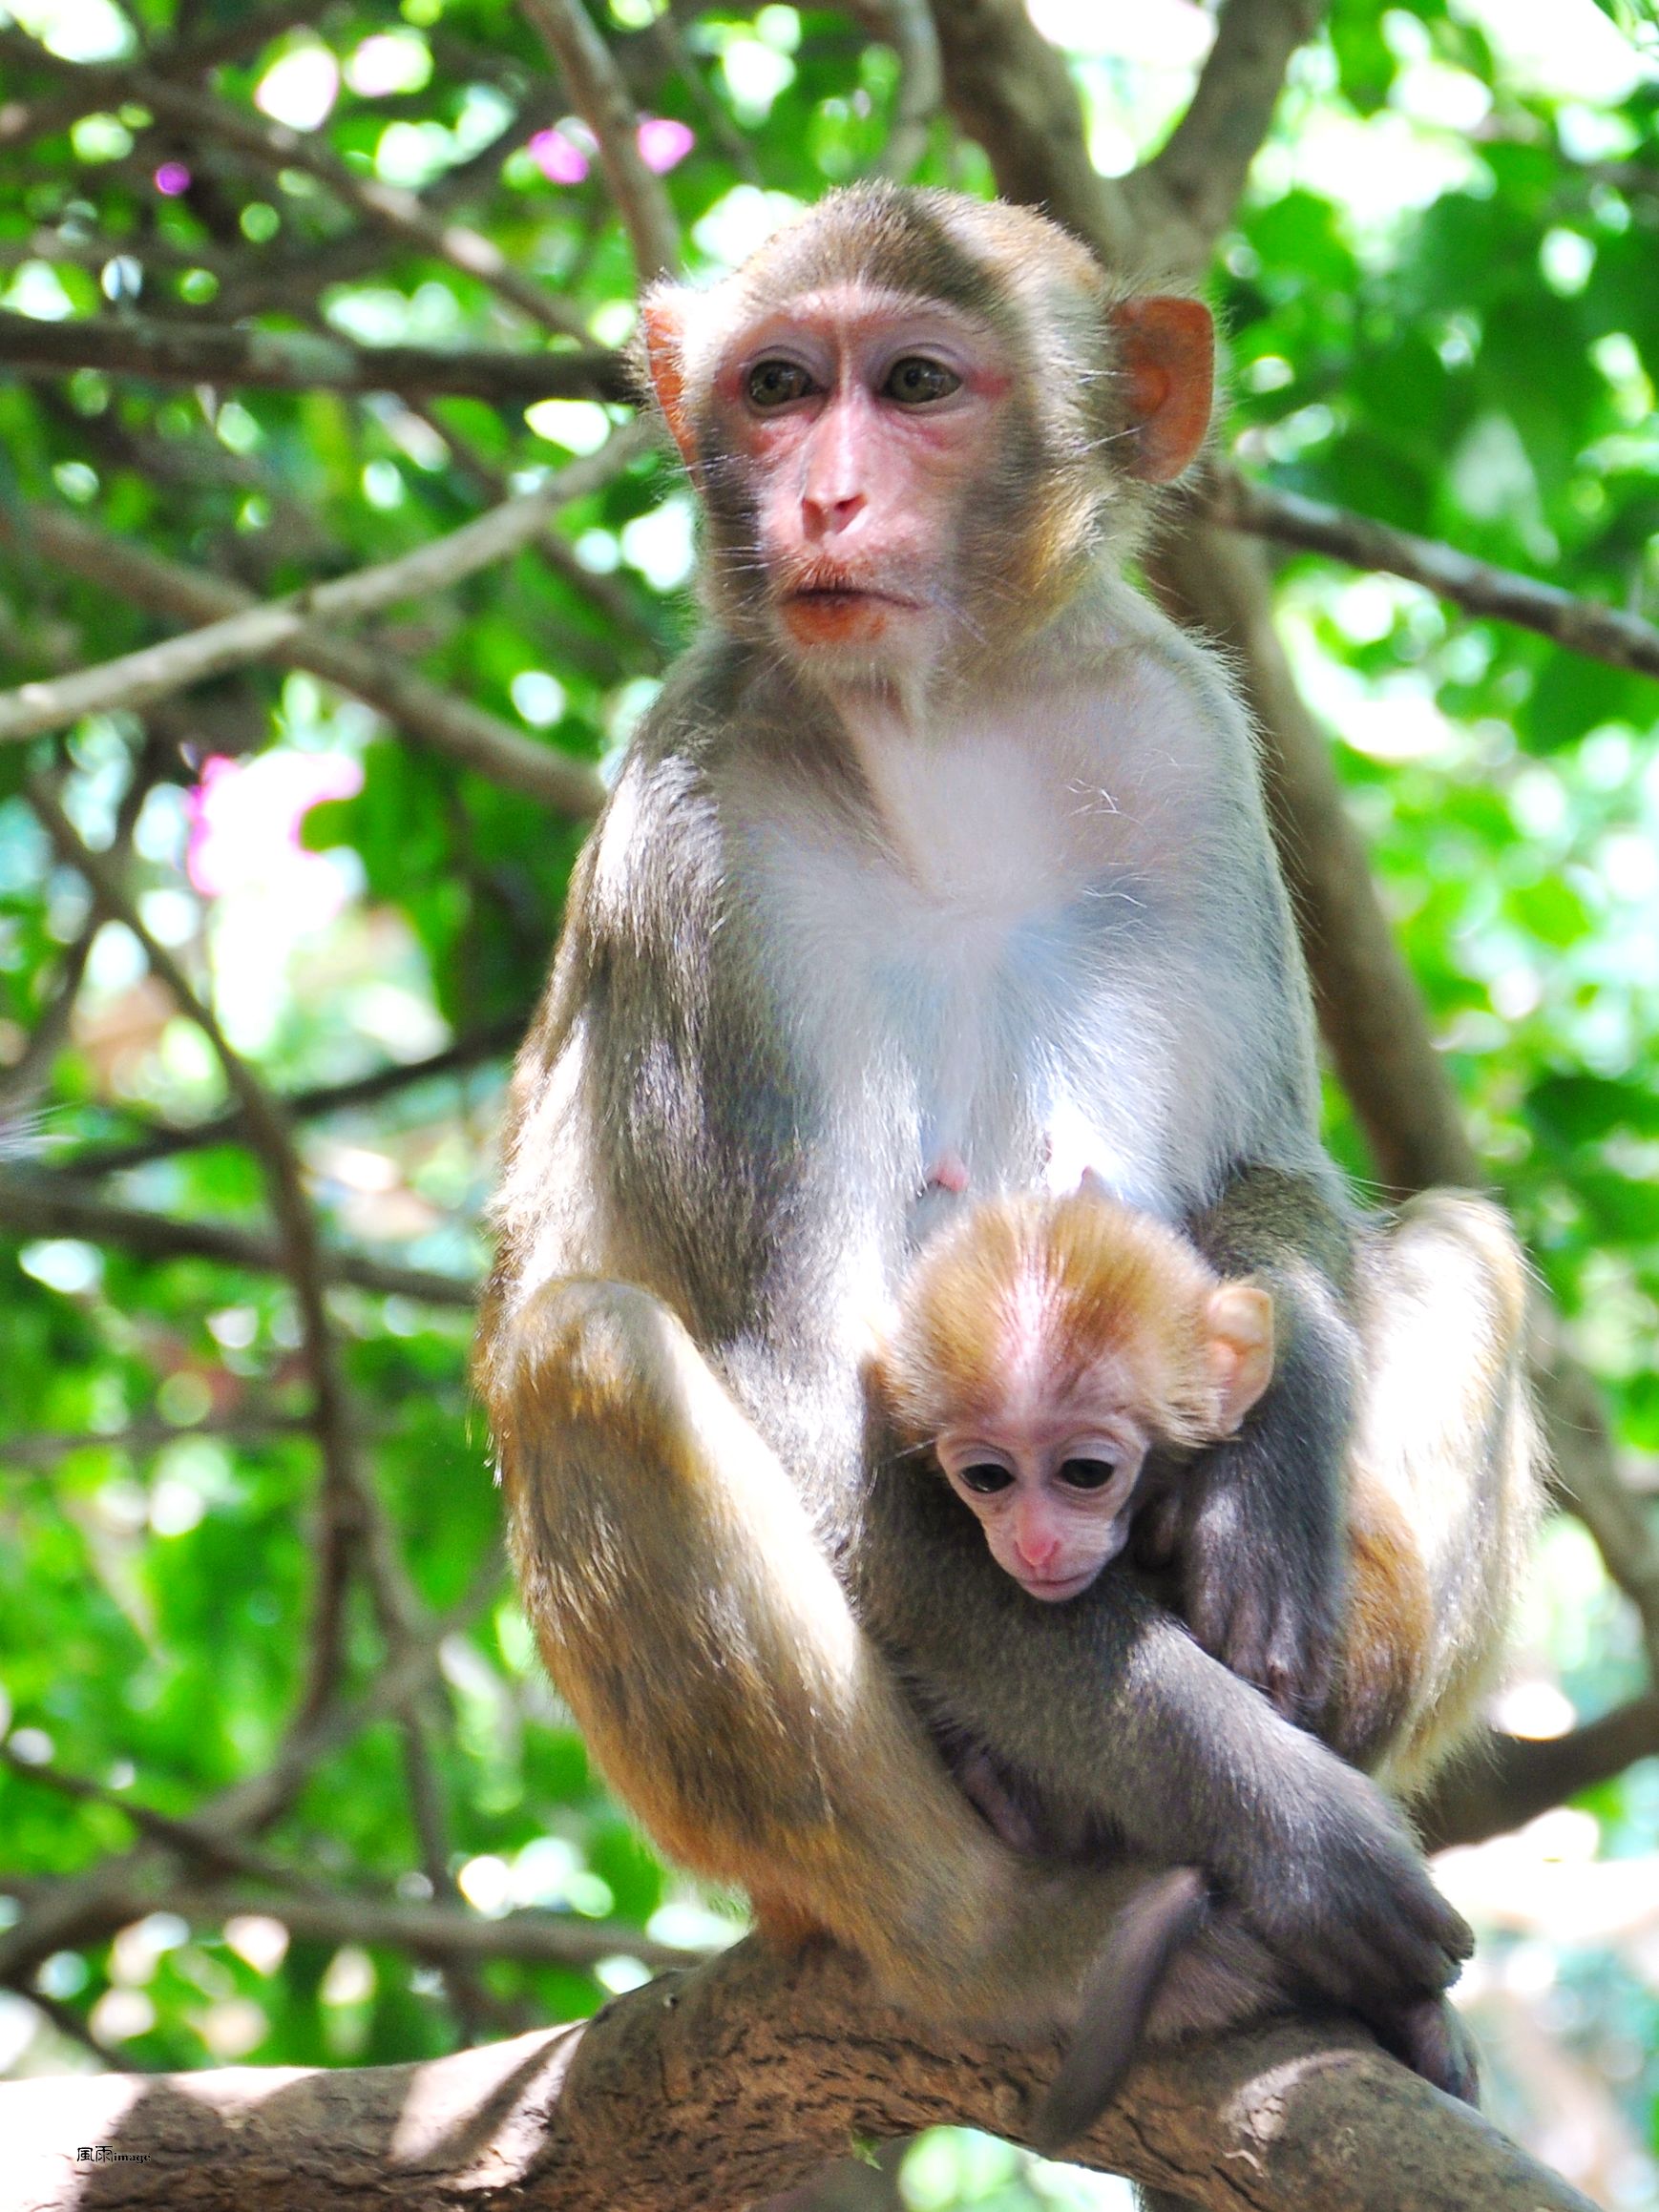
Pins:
<point x="272" y="626"/>
<point x="437" y="1931"/>
<point x="495" y="1040"/>
<point x="40" y="1206"/>
<point x="191" y="353"/>
<point x="907" y="27"/>
<point x="1506" y="1781"/>
<point x="712" y="2088"/>
<point x="1602" y="633"/>
<point x="275" y="146"/>
<point x="1203" y="167"/>
<point x="1008" y="88"/>
<point x="453" y="726"/>
<point x="601" y="100"/>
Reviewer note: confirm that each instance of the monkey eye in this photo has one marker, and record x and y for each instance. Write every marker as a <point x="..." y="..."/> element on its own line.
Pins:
<point x="985" y="1479"/>
<point x="916" y="381"/>
<point x="1088" y="1473"/>
<point x="775" y="383"/>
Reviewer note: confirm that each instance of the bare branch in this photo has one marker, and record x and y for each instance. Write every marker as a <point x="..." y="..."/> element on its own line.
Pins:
<point x="710" y="2088"/>
<point x="21" y="122"/>
<point x="1201" y="169"/>
<point x="601" y="100"/>
<point x="427" y="1931"/>
<point x="192" y="354"/>
<point x="275" y="147"/>
<point x="496" y="1040"/>
<point x="908" y="27"/>
<point x="40" y="1206"/>
<point x="348" y="1512"/>
<point x="86" y="1909"/>
<point x="1602" y="633"/>
<point x="1011" y="89"/>
<point x="424" y="711"/>
<point x="272" y="626"/>
<point x="1508" y="1780"/>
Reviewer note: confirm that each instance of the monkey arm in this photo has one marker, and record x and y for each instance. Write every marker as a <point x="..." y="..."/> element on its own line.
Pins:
<point x="1109" y="1710"/>
<point x="1257" y="1527"/>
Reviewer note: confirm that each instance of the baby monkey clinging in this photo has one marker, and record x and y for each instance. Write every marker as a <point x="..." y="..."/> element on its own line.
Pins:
<point x="1057" y="1353"/>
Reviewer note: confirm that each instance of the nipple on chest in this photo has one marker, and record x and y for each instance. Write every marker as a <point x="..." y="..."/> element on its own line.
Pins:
<point x="948" y="1172"/>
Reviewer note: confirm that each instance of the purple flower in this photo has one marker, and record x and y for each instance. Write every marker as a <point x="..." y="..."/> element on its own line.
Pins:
<point x="664" y="143"/>
<point x="561" y="161"/>
<point x="172" y="179"/>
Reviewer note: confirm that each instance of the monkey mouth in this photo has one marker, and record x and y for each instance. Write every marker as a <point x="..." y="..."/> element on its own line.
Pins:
<point x="831" y="609"/>
<point x="1054" y="1589"/>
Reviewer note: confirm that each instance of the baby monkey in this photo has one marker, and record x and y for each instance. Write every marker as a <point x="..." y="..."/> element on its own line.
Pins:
<point x="1060" y="1356"/>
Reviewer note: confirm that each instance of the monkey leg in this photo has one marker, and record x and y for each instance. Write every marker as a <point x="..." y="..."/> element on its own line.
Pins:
<point x="689" y="1616"/>
<point x="1444" y="1480"/>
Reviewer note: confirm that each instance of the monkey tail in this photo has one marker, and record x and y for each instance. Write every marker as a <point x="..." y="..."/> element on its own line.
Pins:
<point x="1158" y="1920"/>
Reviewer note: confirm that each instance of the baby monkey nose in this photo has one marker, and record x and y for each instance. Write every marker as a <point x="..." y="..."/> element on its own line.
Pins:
<point x="1035" y="1538"/>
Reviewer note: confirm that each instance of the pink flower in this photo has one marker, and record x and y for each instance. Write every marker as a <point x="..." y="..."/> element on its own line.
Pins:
<point x="561" y="161"/>
<point x="244" y="827"/>
<point x="664" y="143"/>
<point x="172" y="179"/>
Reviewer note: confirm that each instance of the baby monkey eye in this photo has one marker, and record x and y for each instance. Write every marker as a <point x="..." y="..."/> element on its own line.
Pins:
<point x="916" y="381"/>
<point x="774" y="384"/>
<point x="1088" y="1473"/>
<point x="984" y="1480"/>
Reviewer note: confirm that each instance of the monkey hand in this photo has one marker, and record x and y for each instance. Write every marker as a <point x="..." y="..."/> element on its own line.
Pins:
<point x="1345" y="1900"/>
<point x="1261" y="1590"/>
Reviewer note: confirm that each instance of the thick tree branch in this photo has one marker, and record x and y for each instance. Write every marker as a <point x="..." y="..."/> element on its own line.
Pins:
<point x="733" y="2082"/>
<point x="423" y="711"/>
<point x="1203" y="168"/>
<point x="38" y="1205"/>
<point x="192" y="354"/>
<point x="132" y="679"/>
<point x="1008" y="88"/>
<point x="1602" y="633"/>
<point x="1506" y="1781"/>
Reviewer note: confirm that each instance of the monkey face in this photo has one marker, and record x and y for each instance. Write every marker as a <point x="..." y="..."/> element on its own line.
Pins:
<point x="1055" y="1510"/>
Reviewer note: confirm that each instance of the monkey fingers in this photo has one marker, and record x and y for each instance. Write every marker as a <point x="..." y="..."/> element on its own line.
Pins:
<point x="1274" y="1626"/>
<point x="1353" y="1909"/>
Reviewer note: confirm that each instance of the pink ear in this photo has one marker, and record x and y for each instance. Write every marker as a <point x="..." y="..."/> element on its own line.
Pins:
<point x="1241" y="1349"/>
<point x="1167" y="354"/>
<point x="664" y="357"/>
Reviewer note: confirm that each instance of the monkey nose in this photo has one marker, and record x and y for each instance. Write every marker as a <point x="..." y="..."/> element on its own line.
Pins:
<point x="1036" y="1543"/>
<point x="826" y="513"/>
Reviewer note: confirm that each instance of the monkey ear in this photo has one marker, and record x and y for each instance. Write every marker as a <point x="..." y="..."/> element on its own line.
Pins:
<point x="1240" y="1320"/>
<point x="1167" y="354"/>
<point x="663" y="320"/>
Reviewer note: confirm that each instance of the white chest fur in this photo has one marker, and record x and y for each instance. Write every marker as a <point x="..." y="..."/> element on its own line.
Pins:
<point x="1017" y="956"/>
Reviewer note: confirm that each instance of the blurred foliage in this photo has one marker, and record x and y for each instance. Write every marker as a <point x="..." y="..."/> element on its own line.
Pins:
<point x="1442" y="302"/>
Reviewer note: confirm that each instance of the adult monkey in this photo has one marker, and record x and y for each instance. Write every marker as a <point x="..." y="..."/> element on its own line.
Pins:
<point x="941" y="853"/>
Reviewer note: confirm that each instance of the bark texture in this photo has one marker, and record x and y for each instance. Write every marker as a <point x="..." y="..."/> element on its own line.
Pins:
<point x="715" y="2087"/>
